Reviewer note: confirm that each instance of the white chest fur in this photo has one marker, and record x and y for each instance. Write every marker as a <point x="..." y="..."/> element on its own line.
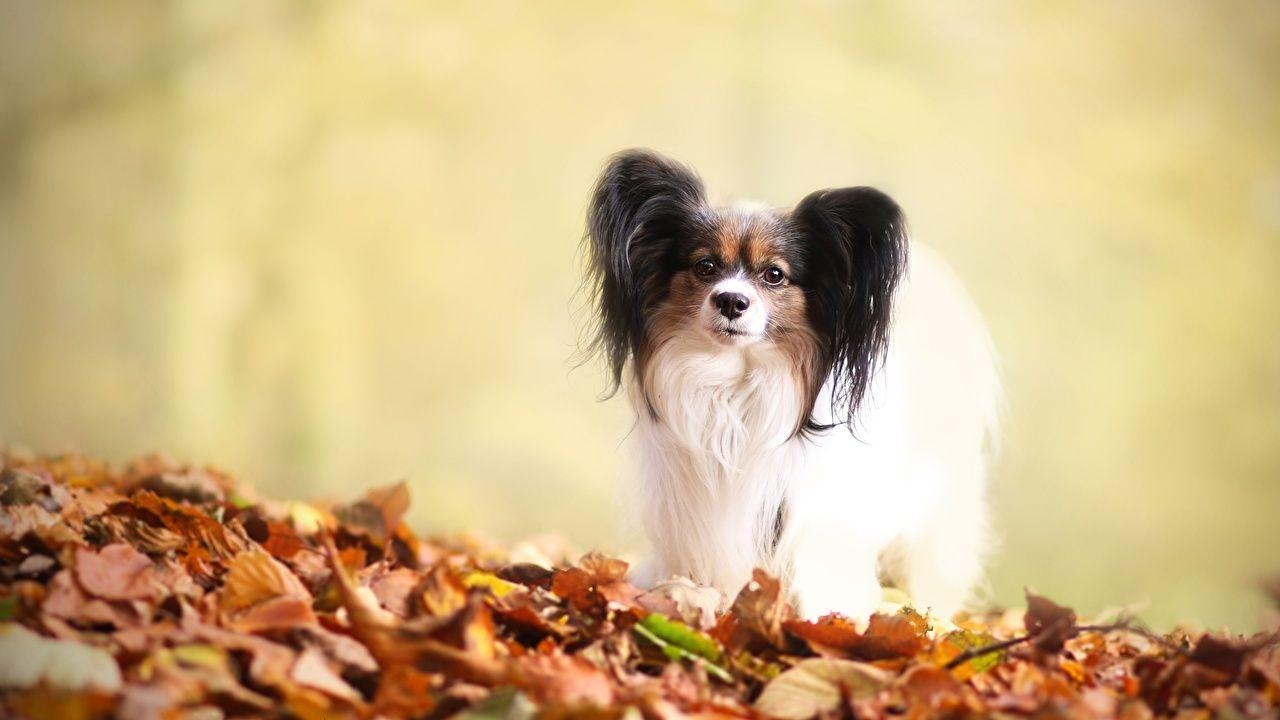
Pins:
<point x="716" y="454"/>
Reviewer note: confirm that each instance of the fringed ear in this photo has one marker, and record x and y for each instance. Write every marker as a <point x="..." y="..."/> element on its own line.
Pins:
<point x="856" y="240"/>
<point x="641" y="205"/>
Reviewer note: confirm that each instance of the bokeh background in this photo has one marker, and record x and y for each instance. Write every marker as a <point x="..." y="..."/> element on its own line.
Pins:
<point x="329" y="245"/>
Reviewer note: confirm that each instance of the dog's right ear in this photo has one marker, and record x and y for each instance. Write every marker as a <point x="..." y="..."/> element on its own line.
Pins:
<point x="641" y="204"/>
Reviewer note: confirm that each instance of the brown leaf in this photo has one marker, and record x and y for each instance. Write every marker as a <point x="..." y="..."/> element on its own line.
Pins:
<point x="406" y="692"/>
<point x="470" y="629"/>
<point x="18" y="520"/>
<point x="270" y="662"/>
<point x="564" y="680"/>
<point x="933" y="692"/>
<point x="441" y="593"/>
<point x="1048" y="624"/>
<point x="393" y="645"/>
<point x="117" y="572"/>
<point x="65" y="599"/>
<point x="831" y="635"/>
<point x="756" y="617"/>
<point x="902" y="635"/>
<point x="275" y="537"/>
<point x="190" y="484"/>
<point x="378" y="513"/>
<point x="604" y="570"/>
<point x="394" y="589"/>
<point x="597" y="585"/>
<point x="574" y="584"/>
<point x="261" y="593"/>
<point x="1225" y="655"/>
<point x="527" y="574"/>
<point x="312" y="670"/>
<point x="47" y="703"/>
<point x="200" y="530"/>
<point x="342" y="649"/>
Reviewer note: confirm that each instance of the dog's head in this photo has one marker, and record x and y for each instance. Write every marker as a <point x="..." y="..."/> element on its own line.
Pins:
<point x="816" y="281"/>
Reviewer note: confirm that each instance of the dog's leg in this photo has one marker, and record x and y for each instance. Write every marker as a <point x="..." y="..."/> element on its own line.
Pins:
<point x="943" y="561"/>
<point x="835" y="571"/>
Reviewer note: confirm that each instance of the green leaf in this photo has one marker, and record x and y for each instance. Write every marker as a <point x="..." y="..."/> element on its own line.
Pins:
<point x="675" y="652"/>
<point x="8" y="607"/>
<point x="958" y="641"/>
<point x="683" y="636"/>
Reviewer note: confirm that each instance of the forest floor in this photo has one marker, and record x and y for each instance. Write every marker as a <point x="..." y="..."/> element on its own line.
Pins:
<point x="160" y="590"/>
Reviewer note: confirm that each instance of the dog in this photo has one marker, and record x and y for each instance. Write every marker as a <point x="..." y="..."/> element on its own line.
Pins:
<point x="815" y="394"/>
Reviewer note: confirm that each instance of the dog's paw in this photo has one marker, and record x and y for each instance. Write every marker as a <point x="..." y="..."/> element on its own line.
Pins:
<point x="697" y="605"/>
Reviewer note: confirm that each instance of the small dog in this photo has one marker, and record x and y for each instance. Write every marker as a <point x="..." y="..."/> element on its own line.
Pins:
<point x="804" y="403"/>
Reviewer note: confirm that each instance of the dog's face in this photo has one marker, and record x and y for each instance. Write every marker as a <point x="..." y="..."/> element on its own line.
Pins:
<point x="734" y="281"/>
<point x="816" y="281"/>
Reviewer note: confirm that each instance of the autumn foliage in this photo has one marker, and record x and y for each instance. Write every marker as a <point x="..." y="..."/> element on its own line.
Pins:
<point x="164" y="591"/>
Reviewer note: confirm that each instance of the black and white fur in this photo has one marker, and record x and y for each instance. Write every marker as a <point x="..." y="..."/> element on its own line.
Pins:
<point x="814" y="393"/>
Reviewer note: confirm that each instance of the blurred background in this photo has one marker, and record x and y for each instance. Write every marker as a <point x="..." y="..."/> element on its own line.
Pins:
<point x="327" y="246"/>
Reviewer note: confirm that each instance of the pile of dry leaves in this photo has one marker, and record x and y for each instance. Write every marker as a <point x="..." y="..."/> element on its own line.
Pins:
<point x="160" y="591"/>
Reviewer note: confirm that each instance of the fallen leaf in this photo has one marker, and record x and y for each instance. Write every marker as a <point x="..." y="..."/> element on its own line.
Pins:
<point x="27" y="659"/>
<point x="681" y="597"/>
<point x="311" y="669"/>
<point x="378" y="513"/>
<point x="1048" y="624"/>
<point x="261" y="593"/>
<point x="933" y="692"/>
<point x="275" y="537"/>
<point x="116" y="572"/>
<point x="818" y="685"/>
<point x="1222" y="654"/>
<point x="441" y="592"/>
<point x="950" y="646"/>
<point x="564" y="680"/>
<point x="757" y="615"/>
<point x="190" y="604"/>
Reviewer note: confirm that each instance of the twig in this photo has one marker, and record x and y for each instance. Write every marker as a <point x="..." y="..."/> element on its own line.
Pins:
<point x="1127" y="624"/>
<point x="1134" y="625"/>
<point x="972" y="653"/>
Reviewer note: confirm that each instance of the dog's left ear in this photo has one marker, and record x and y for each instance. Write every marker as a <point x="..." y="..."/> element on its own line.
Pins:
<point x="641" y="204"/>
<point x="855" y="240"/>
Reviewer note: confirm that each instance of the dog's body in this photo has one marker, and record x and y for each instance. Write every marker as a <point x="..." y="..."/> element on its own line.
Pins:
<point x="804" y="402"/>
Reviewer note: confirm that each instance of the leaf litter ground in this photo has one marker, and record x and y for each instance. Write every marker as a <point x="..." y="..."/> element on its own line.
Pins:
<point x="165" y="591"/>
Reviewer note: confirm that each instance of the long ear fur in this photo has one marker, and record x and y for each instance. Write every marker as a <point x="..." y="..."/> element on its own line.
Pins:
<point x="857" y="240"/>
<point x="641" y="204"/>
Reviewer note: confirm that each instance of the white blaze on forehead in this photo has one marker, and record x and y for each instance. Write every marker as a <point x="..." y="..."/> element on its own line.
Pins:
<point x="735" y="285"/>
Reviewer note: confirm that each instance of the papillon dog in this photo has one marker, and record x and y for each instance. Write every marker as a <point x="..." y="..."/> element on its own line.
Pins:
<point x="814" y="394"/>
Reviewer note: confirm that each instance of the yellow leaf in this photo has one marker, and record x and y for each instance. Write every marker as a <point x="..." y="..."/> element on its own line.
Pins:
<point x="490" y="582"/>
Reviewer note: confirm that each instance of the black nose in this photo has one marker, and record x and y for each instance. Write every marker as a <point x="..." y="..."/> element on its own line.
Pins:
<point x="731" y="304"/>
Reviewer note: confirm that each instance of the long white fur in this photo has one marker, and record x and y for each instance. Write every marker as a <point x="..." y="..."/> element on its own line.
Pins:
<point x="905" y="496"/>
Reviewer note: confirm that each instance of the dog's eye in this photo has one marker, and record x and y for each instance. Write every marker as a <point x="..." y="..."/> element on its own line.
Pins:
<point x="774" y="275"/>
<point x="705" y="267"/>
